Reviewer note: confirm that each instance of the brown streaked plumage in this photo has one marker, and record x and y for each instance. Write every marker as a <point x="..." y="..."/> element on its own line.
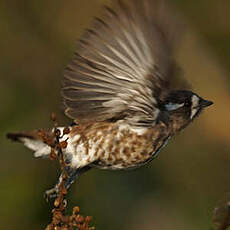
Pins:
<point x="119" y="90"/>
<point x="117" y="146"/>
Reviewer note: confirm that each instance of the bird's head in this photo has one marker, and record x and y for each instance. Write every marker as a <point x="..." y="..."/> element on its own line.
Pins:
<point x="183" y="106"/>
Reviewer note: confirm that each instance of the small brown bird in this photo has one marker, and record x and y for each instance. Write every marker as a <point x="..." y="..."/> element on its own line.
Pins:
<point x="118" y="91"/>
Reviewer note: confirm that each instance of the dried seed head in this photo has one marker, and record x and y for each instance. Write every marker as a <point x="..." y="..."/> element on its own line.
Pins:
<point x="57" y="133"/>
<point x="76" y="210"/>
<point x="88" y="219"/>
<point x="63" y="144"/>
<point x="66" y="130"/>
<point x="60" y="221"/>
<point x="84" y="226"/>
<point x="57" y="202"/>
<point x="64" y="191"/>
<point x="56" y="220"/>
<point x="53" y="155"/>
<point x="57" y="228"/>
<point x="80" y="219"/>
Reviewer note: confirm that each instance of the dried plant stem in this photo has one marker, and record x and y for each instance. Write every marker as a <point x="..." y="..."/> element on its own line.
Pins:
<point x="60" y="221"/>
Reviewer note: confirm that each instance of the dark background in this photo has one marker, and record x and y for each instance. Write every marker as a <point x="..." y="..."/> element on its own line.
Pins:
<point x="179" y="189"/>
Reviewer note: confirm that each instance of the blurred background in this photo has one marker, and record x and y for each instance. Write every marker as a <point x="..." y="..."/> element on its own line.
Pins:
<point x="179" y="189"/>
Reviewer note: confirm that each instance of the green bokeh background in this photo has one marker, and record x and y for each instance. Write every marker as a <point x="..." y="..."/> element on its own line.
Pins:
<point x="179" y="189"/>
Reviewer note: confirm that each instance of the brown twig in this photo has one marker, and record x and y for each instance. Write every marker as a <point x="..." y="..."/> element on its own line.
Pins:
<point x="60" y="221"/>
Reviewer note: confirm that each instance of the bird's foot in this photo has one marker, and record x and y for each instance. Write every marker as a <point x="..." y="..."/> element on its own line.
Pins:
<point x="51" y="194"/>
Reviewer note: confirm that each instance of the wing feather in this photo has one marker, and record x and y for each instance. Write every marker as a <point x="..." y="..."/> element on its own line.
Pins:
<point x="122" y="64"/>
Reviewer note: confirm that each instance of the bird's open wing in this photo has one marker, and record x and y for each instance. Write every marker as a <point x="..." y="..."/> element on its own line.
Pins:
<point x="122" y="65"/>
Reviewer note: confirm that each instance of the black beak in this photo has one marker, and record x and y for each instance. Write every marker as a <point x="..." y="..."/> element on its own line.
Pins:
<point x="205" y="103"/>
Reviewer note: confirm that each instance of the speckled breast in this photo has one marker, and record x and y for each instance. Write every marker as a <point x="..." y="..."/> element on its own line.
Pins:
<point x="124" y="149"/>
<point x="116" y="146"/>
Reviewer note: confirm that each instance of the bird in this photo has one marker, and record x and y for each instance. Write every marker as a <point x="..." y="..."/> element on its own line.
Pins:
<point x="120" y="89"/>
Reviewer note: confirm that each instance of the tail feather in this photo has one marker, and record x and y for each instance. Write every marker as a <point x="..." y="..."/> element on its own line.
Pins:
<point x="18" y="136"/>
<point x="31" y="141"/>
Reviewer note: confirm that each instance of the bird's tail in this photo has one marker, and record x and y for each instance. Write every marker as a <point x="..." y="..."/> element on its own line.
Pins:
<point x="33" y="141"/>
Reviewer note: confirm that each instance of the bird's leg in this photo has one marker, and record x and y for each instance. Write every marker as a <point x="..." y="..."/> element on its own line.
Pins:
<point x="53" y="192"/>
<point x="72" y="174"/>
